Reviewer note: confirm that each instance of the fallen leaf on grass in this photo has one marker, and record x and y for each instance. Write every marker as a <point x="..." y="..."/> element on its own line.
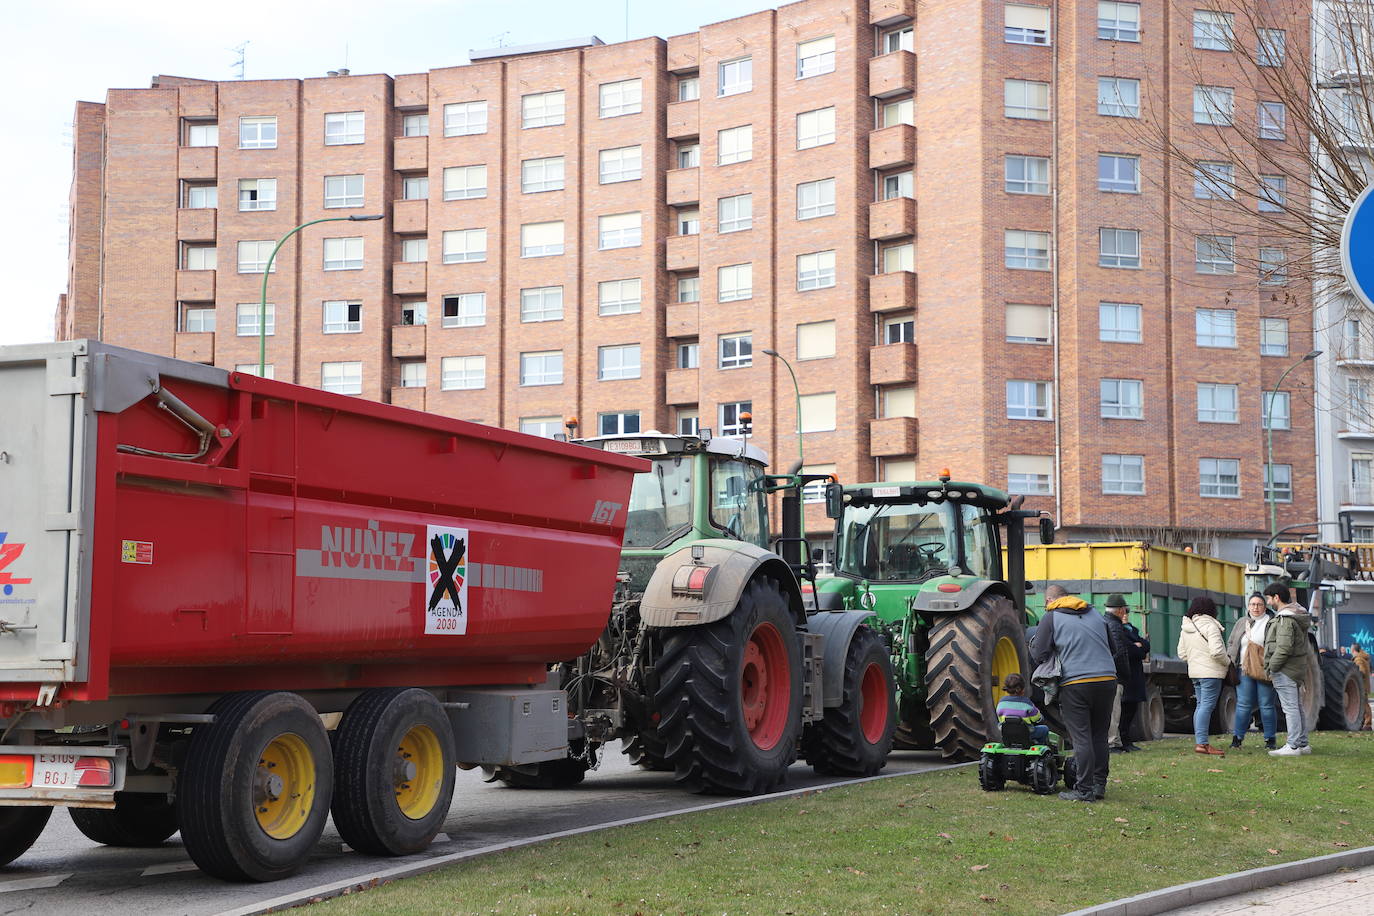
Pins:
<point x="944" y="836"/>
<point x="987" y="898"/>
<point x="855" y="870"/>
<point x="982" y="867"/>
<point x="1213" y="770"/>
<point x="1121" y="820"/>
<point x="1341" y="844"/>
<point x="1009" y="839"/>
<point x="1244" y="828"/>
<point x="1273" y="852"/>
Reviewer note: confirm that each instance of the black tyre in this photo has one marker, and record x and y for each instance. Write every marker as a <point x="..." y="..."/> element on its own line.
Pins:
<point x="1224" y="714"/>
<point x="20" y="828"/>
<point x="551" y="774"/>
<point x="1149" y="720"/>
<point x="1070" y="773"/>
<point x="970" y="654"/>
<point x="393" y="771"/>
<point x="646" y="750"/>
<point x="1346" y="695"/>
<point x="138" y="819"/>
<point x="1178" y="715"/>
<point x="1044" y="777"/>
<point x="255" y="789"/>
<point x="990" y="775"/>
<point x="730" y="694"/>
<point x="855" y="737"/>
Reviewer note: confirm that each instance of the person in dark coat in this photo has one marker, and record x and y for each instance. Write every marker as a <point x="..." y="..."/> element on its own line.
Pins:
<point x="1133" y="684"/>
<point x="1116" y="739"/>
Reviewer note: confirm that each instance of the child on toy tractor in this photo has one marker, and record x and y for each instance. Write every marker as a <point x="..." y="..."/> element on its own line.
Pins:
<point x="1029" y="752"/>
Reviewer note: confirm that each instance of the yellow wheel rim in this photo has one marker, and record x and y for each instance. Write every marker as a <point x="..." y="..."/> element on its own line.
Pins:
<point x="1004" y="661"/>
<point x="418" y="772"/>
<point x="284" y="787"/>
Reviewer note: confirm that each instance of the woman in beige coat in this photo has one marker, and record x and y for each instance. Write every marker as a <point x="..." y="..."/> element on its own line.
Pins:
<point x="1202" y="645"/>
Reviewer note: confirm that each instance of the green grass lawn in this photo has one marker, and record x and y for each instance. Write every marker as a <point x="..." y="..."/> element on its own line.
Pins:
<point x="932" y="843"/>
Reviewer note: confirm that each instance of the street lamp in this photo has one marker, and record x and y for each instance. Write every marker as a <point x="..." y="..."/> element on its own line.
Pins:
<point x="267" y="271"/>
<point x="1269" y="427"/>
<point x="797" y="390"/>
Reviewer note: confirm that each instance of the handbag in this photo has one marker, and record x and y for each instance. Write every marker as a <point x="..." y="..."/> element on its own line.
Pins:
<point x="1046" y="676"/>
<point x="1232" y="675"/>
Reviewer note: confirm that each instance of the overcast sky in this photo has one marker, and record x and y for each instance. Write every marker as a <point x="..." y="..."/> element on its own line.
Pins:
<point x="68" y="50"/>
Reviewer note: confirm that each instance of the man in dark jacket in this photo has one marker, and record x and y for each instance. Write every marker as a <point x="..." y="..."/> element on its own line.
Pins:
<point x="1116" y="741"/>
<point x="1133" y="678"/>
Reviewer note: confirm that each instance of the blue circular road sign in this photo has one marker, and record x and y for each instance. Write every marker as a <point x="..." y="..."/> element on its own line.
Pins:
<point x="1357" y="247"/>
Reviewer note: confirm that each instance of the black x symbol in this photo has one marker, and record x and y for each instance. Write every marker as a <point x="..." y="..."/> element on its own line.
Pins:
<point x="448" y="565"/>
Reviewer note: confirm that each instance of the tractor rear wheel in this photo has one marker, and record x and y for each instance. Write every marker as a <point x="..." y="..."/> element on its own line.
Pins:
<point x="729" y="696"/>
<point x="1043" y="775"/>
<point x="646" y="750"/>
<point x="970" y="655"/>
<point x="20" y="828"/>
<point x="990" y="775"/>
<point x="854" y="738"/>
<point x="1347" y="696"/>
<point x="138" y="819"/>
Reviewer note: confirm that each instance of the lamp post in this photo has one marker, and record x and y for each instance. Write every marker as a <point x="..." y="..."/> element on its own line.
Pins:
<point x="796" y="390"/>
<point x="266" y="272"/>
<point x="1269" y="429"/>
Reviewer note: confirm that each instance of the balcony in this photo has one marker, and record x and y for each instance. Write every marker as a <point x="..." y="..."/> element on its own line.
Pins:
<point x="890" y="147"/>
<point x="195" y="347"/>
<point x="682" y="386"/>
<point x="892" y="292"/>
<point x="684" y="52"/>
<point x="414" y="398"/>
<point x="197" y="101"/>
<point x="196" y="285"/>
<point x="1357" y="494"/>
<point x="681" y="320"/>
<point x="197" y="163"/>
<point x="887" y="12"/>
<point x="1354" y="353"/>
<point x="410" y="90"/>
<point x="409" y="216"/>
<point x="407" y="341"/>
<point x="892" y="364"/>
<point x="892" y="436"/>
<point x="683" y="252"/>
<point x="196" y="225"/>
<point x="408" y="278"/>
<point x="410" y="154"/>
<point x="682" y="120"/>
<point x="892" y="74"/>
<point x="890" y="219"/>
<point x="1353" y="421"/>
<point x="684" y="187"/>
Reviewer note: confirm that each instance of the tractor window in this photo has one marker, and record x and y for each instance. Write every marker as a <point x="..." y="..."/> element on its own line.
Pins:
<point x="660" y="503"/>
<point x="737" y="500"/>
<point x="982" y="556"/>
<point x="896" y="542"/>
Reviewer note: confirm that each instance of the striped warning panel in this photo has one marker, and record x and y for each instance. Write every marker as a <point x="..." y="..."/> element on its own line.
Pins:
<point x="512" y="578"/>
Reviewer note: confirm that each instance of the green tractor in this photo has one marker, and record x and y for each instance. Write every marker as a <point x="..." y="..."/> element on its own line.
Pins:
<point x="926" y="559"/>
<point x="712" y="665"/>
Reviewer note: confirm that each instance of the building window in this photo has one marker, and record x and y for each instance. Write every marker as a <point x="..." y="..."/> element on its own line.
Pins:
<point x="1027" y="25"/>
<point x="1278" y="483"/>
<point x="541" y="303"/>
<point x="1027" y="400"/>
<point x="898" y="258"/>
<point x="619" y="230"/>
<point x="342" y="378"/>
<point x="1118" y="248"/>
<point x="414" y="312"/>
<point x="619" y="423"/>
<point x="201" y="133"/>
<point x="465" y="310"/>
<point x="1118" y="322"/>
<point x="1216" y="328"/>
<point x="1028" y="323"/>
<point x="621" y="98"/>
<point x="1030" y="475"/>
<point x="618" y="297"/>
<point x="1270" y="45"/>
<point x="1277" y="410"/>
<point x="816" y="340"/>
<point x="1027" y="99"/>
<point x="253" y="257"/>
<point x="1273" y="120"/>
<point x="1273" y="193"/>
<point x="688" y="220"/>
<point x="1118" y="21"/>
<point x="816" y="270"/>
<point x="414" y="251"/>
<point x="1216" y="254"/>
<point x="815" y="128"/>
<point x="818" y="412"/>
<point x="688" y="155"/>
<point x="415" y="125"/>
<point x="547" y="427"/>
<point x="736" y="351"/>
<point x="735" y="282"/>
<point x="197" y="319"/>
<point x="814" y="492"/>
<point x="465" y="182"/>
<point x="258" y="133"/>
<point x="1118" y="174"/>
<point x="1026" y="175"/>
<point x="268" y="371"/>
<point x="415" y="188"/>
<point x="732" y="418"/>
<point x="620" y="164"/>
<point x="897" y="111"/>
<point x="735" y="214"/>
<point x="1217" y="404"/>
<point x="1027" y="250"/>
<point x="1213" y="105"/>
<point x="899" y="328"/>
<point x="199" y="196"/>
<point x="735" y="76"/>
<point x="413" y="374"/>
<point x="1124" y="474"/>
<point x="462" y="246"/>
<point x="735" y="144"/>
<point x="257" y="194"/>
<point x="1214" y="181"/>
<point x="898" y="469"/>
<point x="617" y="362"/>
<point x="343" y="254"/>
<point x="542" y="109"/>
<point x="541" y="368"/>
<point x="1123" y="398"/>
<point x="538" y="175"/>
<point x="1273" y="267"/>
<point x="462" y="373"/>
<point x="815" y="57"/>
<point x="1273" y="337"/>
<point x="1213" y="31"/>
<point x="1118" y="97"/>
<point x="899" y="401"/>
<point x="902" y="184"/>
<point x="689" y="288"/>
<point x="539" y="240"/>
<point x="902" y="38"/>
<point x="465" y="118"/>
<point x="198" y="257"/>
<point x="688" y="88"/>
<point x="343" y="127"/>
<point x="343" y="191"/>
<point x="688" y="354"/>
<point x="816" y="198"/>
<point x="1220" y="477"/>
<point x="343" y="316"/>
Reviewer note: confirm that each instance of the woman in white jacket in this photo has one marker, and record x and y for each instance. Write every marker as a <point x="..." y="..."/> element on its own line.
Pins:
<point x="1202" y="645"/>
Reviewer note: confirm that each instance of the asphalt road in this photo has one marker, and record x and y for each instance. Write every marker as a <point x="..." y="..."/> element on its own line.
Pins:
<point x="66" y="873"/>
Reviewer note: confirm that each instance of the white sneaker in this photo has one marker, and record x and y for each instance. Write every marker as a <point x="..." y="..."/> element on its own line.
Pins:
<point x="1305" y="749"/>
<point x="1286" y="751"/>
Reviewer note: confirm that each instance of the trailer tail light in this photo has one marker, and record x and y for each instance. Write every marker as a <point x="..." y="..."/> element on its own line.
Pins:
<point x="95" y="772"/>
<point x="950" y="587"/>
<point x="692" y="580"/>
<point x="16" y="771"/>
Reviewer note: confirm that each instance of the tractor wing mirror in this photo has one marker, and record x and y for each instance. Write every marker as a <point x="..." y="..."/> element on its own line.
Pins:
<point x="834" y="500"/>
<point x="1046" y="530"/>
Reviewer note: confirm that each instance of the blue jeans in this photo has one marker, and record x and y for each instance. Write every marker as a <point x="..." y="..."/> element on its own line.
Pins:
<point x="1252" y="693"/>
<point x="1290" y="698"/>
<point x="1207" y="689"/>
<point x="1039" y="733"/>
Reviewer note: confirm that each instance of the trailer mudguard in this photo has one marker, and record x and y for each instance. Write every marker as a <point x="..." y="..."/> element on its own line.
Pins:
<point x="837" y="628"/>
<point x="931" y="600"/>
<point x="702" y="583"/>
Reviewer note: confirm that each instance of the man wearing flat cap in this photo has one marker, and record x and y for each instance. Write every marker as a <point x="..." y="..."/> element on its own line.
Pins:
<point x="1130" y="691"/>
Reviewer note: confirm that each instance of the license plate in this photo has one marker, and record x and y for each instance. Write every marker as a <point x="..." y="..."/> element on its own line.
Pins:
<point x="624" y="445"/>
<point x="55" y="771"/>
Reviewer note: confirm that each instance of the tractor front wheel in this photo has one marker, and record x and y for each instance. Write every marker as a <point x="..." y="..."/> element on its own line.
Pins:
<point x="854" y="738"/>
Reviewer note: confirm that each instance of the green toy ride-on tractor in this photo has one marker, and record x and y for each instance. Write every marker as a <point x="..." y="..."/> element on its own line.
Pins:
<point x="1017" y="757"/>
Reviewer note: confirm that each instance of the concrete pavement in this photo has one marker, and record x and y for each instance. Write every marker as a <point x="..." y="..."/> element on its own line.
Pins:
<point x="1343" y="893"/>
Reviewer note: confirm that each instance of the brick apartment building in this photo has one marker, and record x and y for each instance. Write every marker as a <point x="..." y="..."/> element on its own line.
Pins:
<point x="942" y="213"/>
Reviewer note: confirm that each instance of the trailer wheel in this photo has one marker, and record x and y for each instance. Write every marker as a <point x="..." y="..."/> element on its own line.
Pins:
<point x="855" y="737"/>
<point x="730" y="695"/>
<point x="393" y="771"/>
<point x="970" y="655"/>
<point x="20" y="828"/>
<point x="1224" y="715"/>
<point x="1346" y="694"/>
<point x="138" y="819"/>
<point x="255" y="789"/>
<point x="1149" y="721"/>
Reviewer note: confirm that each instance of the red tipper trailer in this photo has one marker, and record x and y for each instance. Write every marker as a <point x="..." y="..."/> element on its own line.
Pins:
<point x="204" y="573"/>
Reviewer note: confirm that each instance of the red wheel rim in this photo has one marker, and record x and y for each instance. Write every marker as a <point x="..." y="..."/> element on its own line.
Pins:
<point x="765" y="686"/>
<point x="873" y="713"/>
